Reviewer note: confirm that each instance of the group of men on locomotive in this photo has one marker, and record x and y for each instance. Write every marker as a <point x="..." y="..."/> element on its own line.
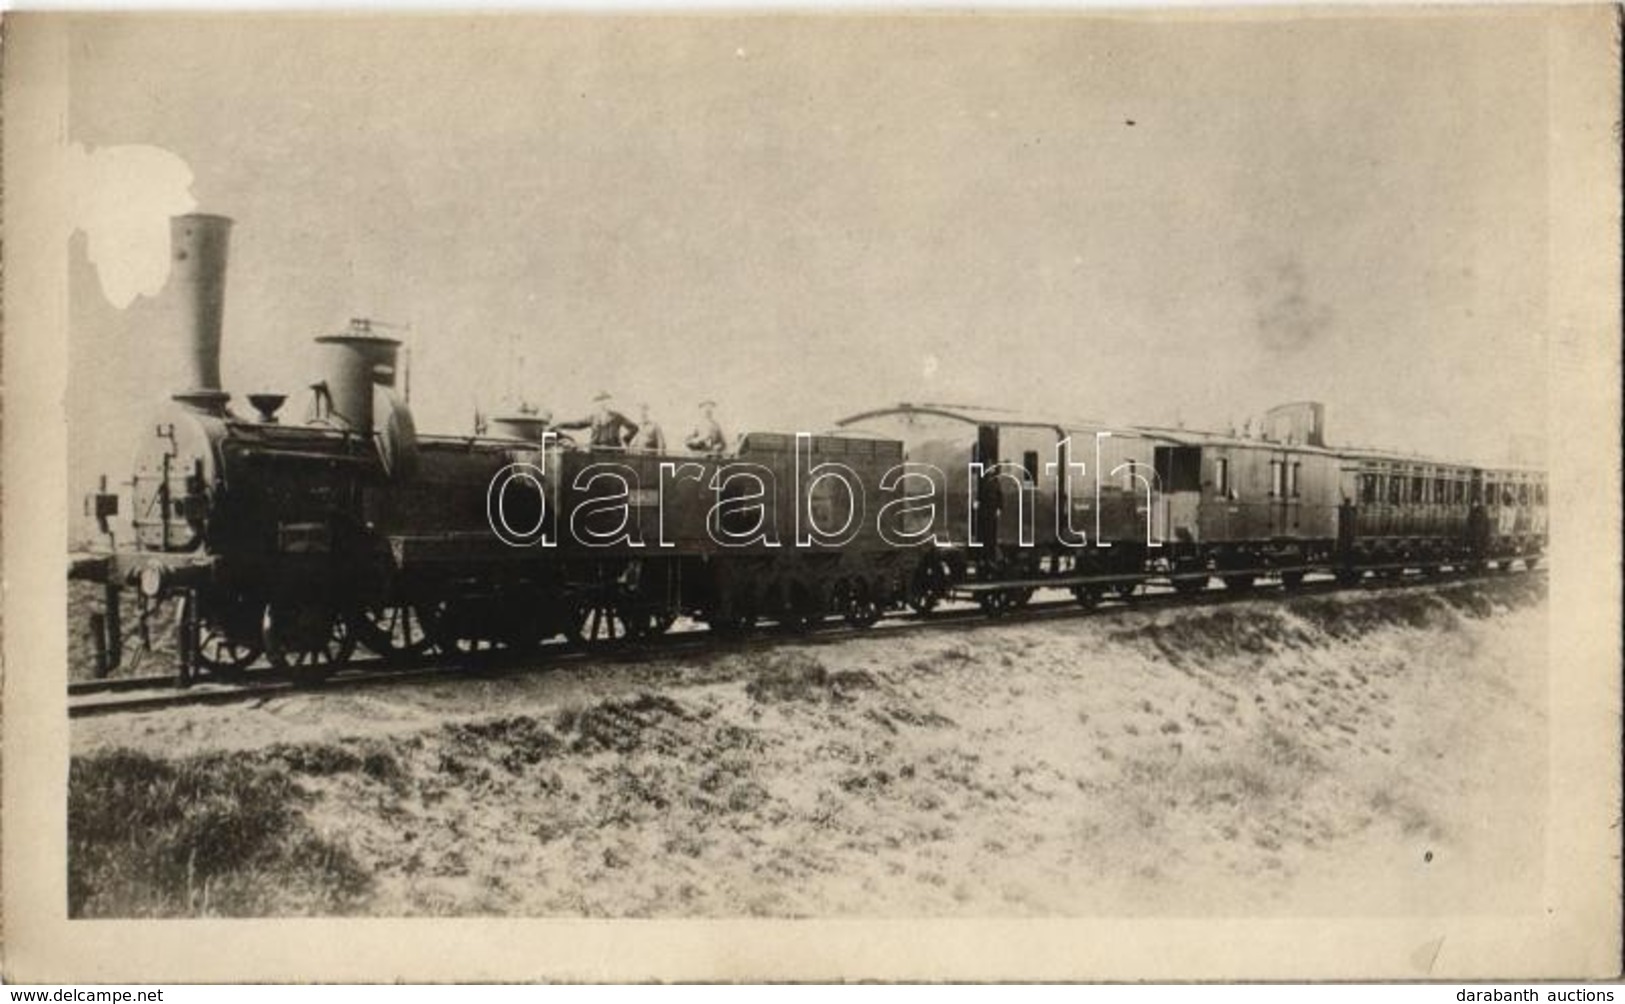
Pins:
<point x="608" y="429"/>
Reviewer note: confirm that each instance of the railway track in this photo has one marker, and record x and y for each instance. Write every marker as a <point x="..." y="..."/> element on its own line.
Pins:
<point x="158" y="693"/>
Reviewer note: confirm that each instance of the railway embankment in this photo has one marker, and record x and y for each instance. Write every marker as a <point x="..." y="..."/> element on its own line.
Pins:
<point x="1348" y="753"/>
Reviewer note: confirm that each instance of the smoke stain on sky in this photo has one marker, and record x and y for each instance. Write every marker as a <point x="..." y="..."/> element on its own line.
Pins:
<point x="122" y="198"/>
<point x="1289" y="319"/>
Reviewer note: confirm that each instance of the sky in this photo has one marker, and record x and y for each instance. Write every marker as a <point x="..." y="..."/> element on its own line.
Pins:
<point x="1147" y="219"/>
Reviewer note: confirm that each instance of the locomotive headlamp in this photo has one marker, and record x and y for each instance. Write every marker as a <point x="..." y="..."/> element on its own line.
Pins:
<point x="152" y="581"/>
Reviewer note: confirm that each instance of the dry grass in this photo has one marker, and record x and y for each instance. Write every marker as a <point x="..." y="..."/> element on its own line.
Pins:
<point x="85" y="598"/>
<point x="201" y="836"/>
<point x="1173" y="761"/>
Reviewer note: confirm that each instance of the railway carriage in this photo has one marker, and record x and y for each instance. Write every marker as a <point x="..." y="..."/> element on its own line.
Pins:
<point x="1515" y="524"/>
<point x="1408" y="512"/>
<point x="1022" y="501"/>
<point x="1241" y="508"/>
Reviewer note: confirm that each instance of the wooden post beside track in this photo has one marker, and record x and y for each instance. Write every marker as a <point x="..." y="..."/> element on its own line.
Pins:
<point x="186" y="650"/>
<point x="112" y="645"/>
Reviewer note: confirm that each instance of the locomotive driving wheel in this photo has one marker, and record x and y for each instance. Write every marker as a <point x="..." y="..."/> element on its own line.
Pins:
<point x="308" y="641"/>
<point x="226" y="640"/>
<point x="222" y="656"/>
<point x="397" y="632"/>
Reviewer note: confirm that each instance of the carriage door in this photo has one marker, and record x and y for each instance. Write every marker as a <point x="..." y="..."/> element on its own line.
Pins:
<point x="989" y="492"/>
<point x="1179" y="473"/>
<point x="1284" y="498"/>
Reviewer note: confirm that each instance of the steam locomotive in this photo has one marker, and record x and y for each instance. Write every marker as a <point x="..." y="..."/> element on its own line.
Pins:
<point x="296" y="542"/>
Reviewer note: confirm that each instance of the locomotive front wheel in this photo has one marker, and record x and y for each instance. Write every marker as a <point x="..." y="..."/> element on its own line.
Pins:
<point x="1238" y="583"/>
<point x="395" y="632"/>
<point x="1087" y="596"/>
<point x="223" y="657"/>
<point x="1291" y="580"/>
<point x="308" y="641"/>
<point x="1187" y="587"/>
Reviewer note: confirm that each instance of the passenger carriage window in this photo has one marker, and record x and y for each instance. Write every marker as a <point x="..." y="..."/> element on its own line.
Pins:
<point x="1395" y="486"/>
<point x="1178" y="468"/>
<point x="1029" y="461"/>
<point x="1416" y="490"/>
<point x="1368" y="489"/>
<point x="1507" y="496"/>
<point x="1276" y="476"/>
<point x="1523" y="494"/>
<point x="1540" y="494"/>
<point x="1221" y="476"/>
<point x="1292" y="478"/>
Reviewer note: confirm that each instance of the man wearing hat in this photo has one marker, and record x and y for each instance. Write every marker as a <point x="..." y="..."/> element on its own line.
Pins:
<point x="707" y="435"/>
<point x="610" y="429"/>
<point x="649" y="438"/>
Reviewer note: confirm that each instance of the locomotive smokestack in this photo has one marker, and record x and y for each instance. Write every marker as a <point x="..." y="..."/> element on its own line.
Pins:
<point x="198" y="262"/>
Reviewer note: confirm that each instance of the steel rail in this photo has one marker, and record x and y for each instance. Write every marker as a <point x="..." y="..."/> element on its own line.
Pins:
<point x="160" y="693"/>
